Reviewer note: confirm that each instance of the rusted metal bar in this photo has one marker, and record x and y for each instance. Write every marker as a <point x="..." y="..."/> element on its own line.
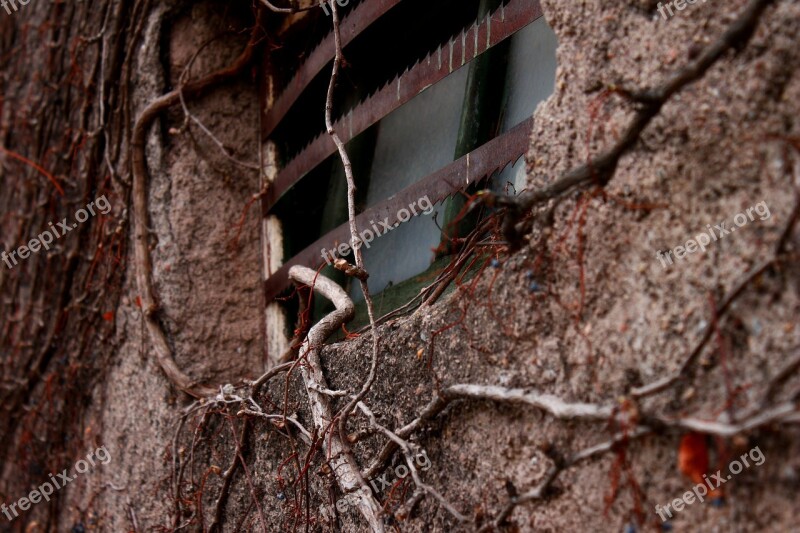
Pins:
<point x="457" y="52"/>
<point x="353" y="24"/>
<point x="472" y="168"/>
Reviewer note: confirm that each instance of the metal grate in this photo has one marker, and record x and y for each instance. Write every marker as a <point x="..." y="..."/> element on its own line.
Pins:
<point x="454" y="54"/>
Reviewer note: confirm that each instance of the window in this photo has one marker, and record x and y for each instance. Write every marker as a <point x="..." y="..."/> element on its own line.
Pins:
<point x="434" y="96"/>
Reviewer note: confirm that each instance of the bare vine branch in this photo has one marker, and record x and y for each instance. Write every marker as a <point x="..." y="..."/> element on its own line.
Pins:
<point x="409" y="455"/>
<point x="142" y="259"/>
<point x="355" y="241"/>
<point x="343" y="464"/>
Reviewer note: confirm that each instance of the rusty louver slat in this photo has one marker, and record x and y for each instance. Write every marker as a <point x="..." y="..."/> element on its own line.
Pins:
<point x="350" y="27"/>
<point x="473" y="167"/>
<point x="455" y="53"/>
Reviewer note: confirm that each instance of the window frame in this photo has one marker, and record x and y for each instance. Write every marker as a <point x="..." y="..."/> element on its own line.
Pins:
<point x="456" y="53"/>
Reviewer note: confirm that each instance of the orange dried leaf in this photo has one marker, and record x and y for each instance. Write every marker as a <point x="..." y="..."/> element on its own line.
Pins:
<point x="693" y="456"/>
<point x="693" y="461"/>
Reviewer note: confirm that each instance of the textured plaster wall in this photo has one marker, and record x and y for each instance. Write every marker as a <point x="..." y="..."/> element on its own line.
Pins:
<point x="210" y="291"/>
<point x="706" y="158"/>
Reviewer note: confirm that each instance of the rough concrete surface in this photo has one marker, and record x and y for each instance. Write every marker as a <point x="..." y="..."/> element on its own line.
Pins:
<point x="208" y="286"/>
<point x="709" y="156"/>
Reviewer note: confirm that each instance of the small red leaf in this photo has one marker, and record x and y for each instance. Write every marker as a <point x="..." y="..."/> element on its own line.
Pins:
<point x="693" y="456"/>
<point x="693" y="460"/>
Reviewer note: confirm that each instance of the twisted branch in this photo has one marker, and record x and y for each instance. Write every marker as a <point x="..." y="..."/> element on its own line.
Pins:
<point x="345" y="469"/>
<point x="142" y="259"/>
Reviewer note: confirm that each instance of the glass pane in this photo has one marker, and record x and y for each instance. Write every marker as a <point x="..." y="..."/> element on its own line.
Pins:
<point x="531" y="80"/>
<point x="413" y="141"/>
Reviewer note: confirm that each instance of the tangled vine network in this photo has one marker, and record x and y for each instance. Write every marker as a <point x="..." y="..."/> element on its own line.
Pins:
<point x="238" y="407"/>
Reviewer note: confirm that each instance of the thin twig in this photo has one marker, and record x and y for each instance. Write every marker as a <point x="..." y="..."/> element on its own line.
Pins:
<point x="782" y="377"/>
<point x="540" y="491"/>
<point x="687" y="362"/>
<point x="289" y="10"/>
<point x="409" y="455"/>
<point x="355" y="241"/>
